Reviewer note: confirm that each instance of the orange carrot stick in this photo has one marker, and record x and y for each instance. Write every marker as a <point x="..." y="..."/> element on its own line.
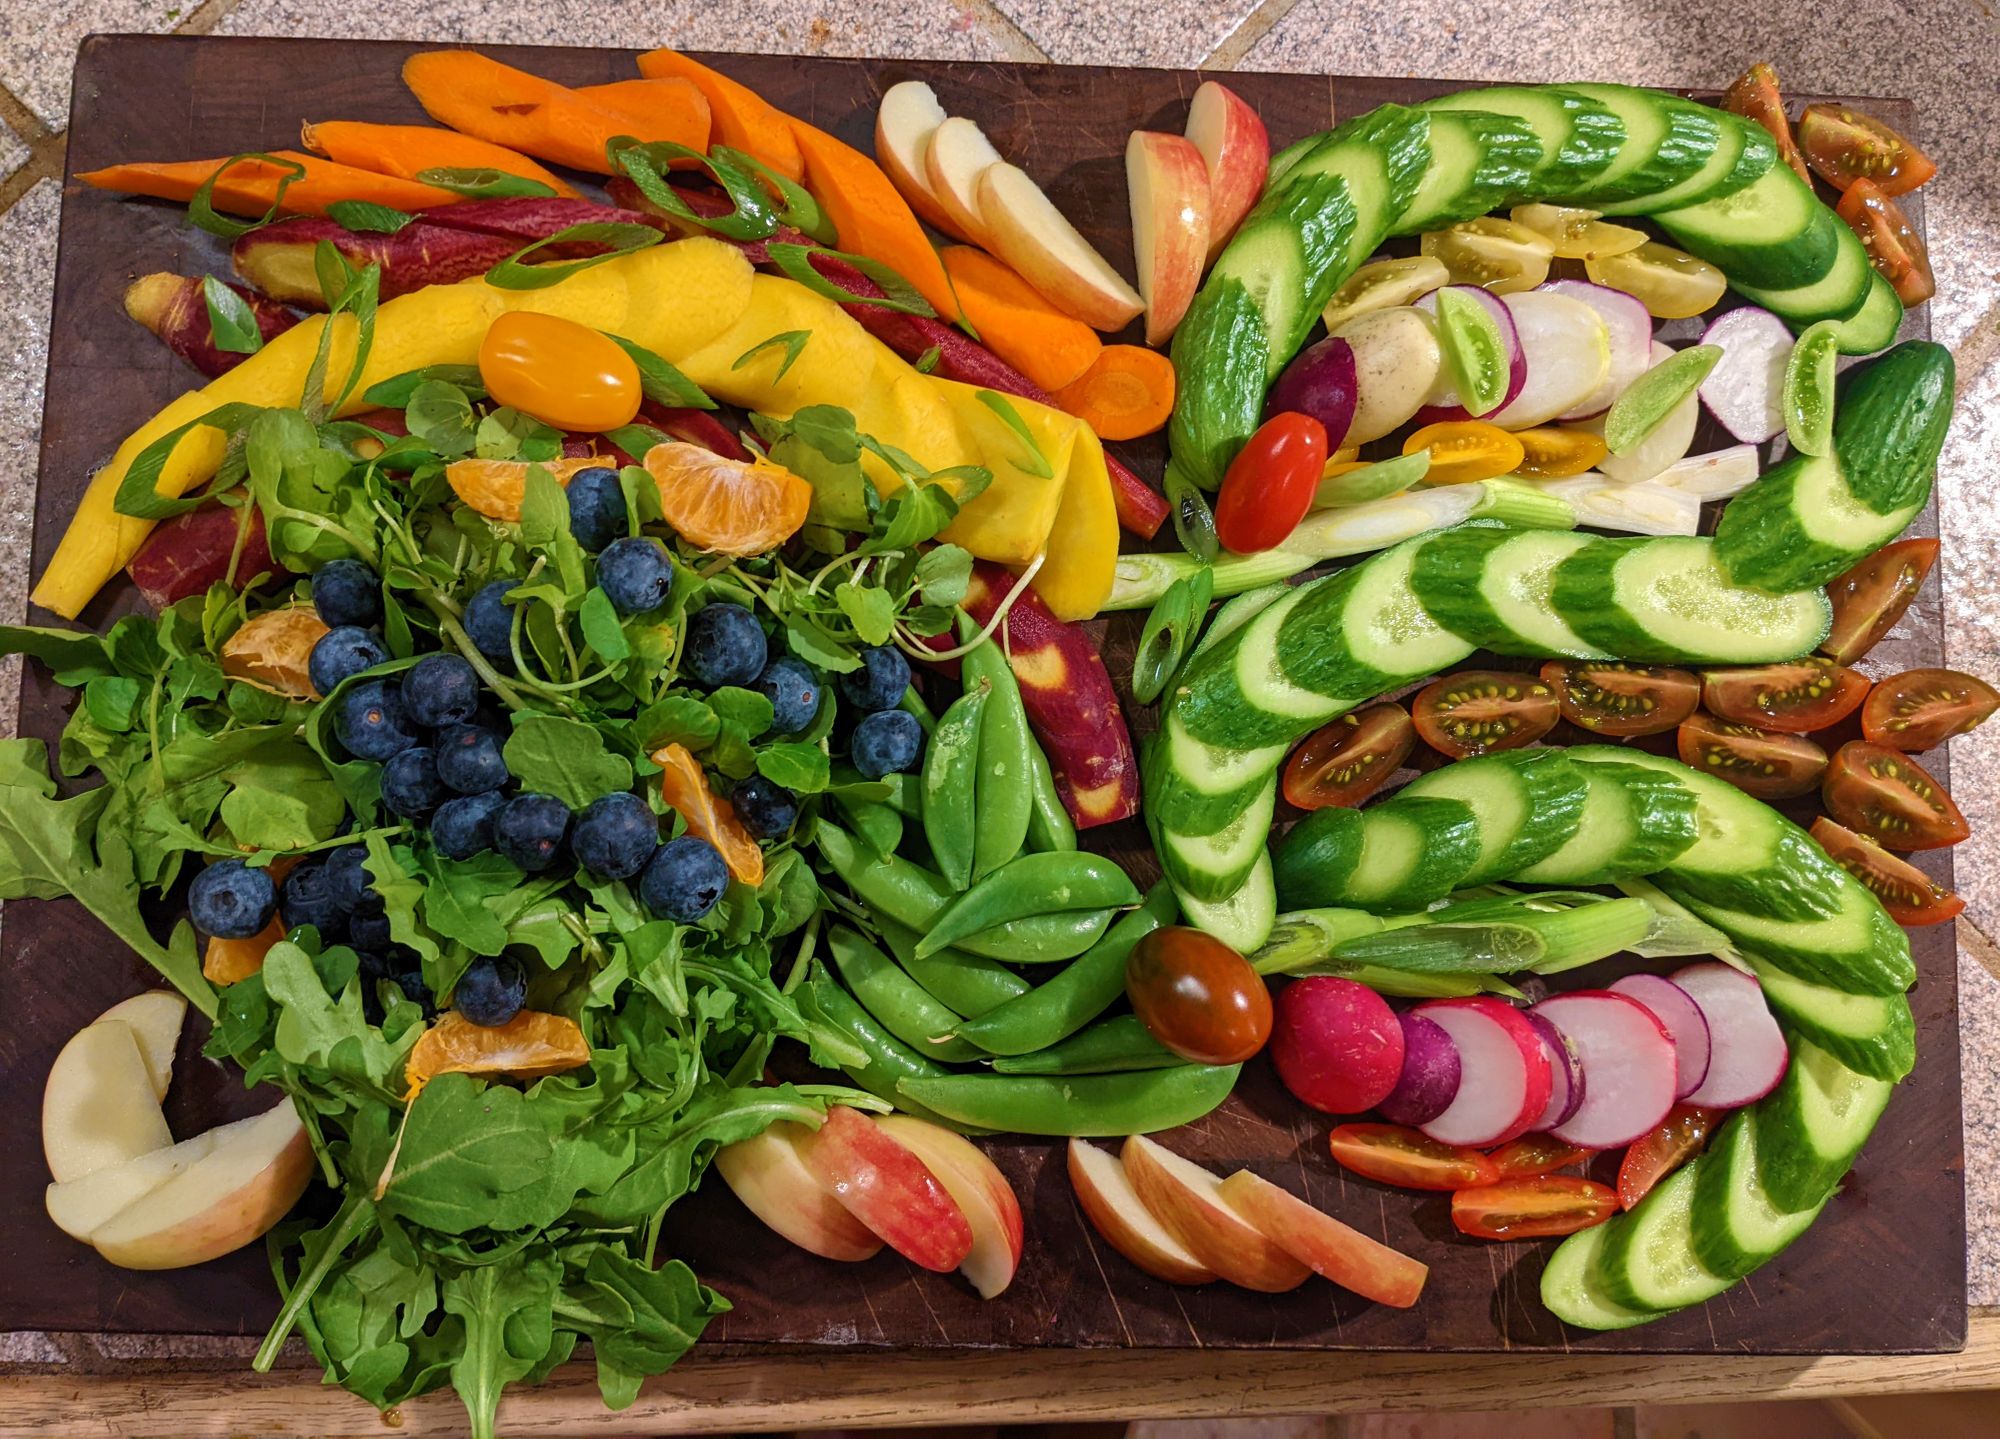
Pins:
<point x="742" y="118"/>
<point x="1016" y="323"/>
<point x="659" y="108"/>
<point x="1127" y="392"/>
<point x="405" y="150"/>
<point x="250" y="186"/>
<point x="870" y="216"/>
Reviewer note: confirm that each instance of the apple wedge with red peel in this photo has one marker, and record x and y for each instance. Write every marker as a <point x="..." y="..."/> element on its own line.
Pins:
<point x="885" y="1186"/>
<point x="1025" y="229"/>
<point x="1170" y="213"/>
<point x="155" y="1019"/>
<point x="1188" y="1202"/>
<point x="981" y="1192"/>
<point x="904" y="123"/>
<point x="98" y="1107"/>
<point x="958" y="154"/>
<point x="1114" y="1209"/>
<point x="1332" y="1250"/>
<point x="768" y="1173"/>
<point x="1236" y="153"/>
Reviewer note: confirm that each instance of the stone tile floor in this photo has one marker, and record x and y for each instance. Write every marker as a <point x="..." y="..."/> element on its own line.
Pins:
<point x="1945" y="54"/>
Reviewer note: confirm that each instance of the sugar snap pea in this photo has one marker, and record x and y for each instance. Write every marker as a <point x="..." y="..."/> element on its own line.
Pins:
<point x="875" y="823"/>
<point x="1004" y="799"/>
<point x="1050" y="828"/>
<point x="1171" y="627"/>
<point x="1109" y="1046"/>
<point x="902" y="1005"/>
<point x="912" y="703"/>
<point x="951" y="773"/>
<point x="963" y="983"/>
<point x="889" y="1061"/>
<point x="1033" y="885"/>
<point x="1140" y="1102"/>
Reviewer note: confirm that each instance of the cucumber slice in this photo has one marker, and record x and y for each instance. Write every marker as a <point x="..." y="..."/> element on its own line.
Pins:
<point x="1490" y="587"/>
<point x="1528" y="803"/>
<point x="1735" y="1226"/>
<point x="1667" y="141"/>
<point x="1807" y="399"/>
<point x="1874" y="326"/>
<point x="1648" y="1260"/>
<point x="1671" y="599"/>
<point x="1580" y="136"/>
<point x="1889" y="421"/>
<point x="1857" y="948"/>
<point x="1774" y="234"/>
<point x="1211" y="867"/>
<point x="1802" y="525"/>
<point x="1835" y="295"/>
<point x="1872" y="1034"/>
<point x="1223" y="340"/>
<point x="1199" y="788"/>
<point x="1317" y="855"/>
<point x="1299" y="232"/>
<point x="1478" y="162"/>
<point x="1634" y="821"/>
<point x="1220" y="698"/>
<point x="1243" y="920"/>
<point x="1571" y="1291"/>
<point x="1813" y="1125"/>
<point x="1362" y="632"/>
<point x="1743" y="153"/>
<point x="1414" y="852"/>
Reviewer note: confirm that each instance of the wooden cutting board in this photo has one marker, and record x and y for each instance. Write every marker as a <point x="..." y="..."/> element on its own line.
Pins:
<point x="1883" y="1270"/>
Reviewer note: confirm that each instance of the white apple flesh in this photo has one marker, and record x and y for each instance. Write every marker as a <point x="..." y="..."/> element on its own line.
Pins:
<point x="98" y="1107"/>
<point x="1334" y="1251"/>
<point x="768" y="1173"/>
<point x="155" y="1019"/>
<point x="1027" y="231"/>
<point x="958" y="154"/>
<point x="79" y="1206"/>
<point x="1169" y="191"/>
<point x="1105" y="1194"/>
<point x="904" y="123"/>
<point x="1189" y="1202"/>
<point x="1236" y="155"/>
<point x="979" y="1189"/>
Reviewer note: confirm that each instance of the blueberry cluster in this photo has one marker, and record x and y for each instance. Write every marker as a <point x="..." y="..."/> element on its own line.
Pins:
<point x="726" y="646"/>
<point x="888" y="740"/>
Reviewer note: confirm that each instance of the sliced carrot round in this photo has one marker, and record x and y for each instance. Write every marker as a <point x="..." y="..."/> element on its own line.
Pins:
<point x="724" y="505"/>
<point x="708" y="815"/>
<point x="1127" y="392"/>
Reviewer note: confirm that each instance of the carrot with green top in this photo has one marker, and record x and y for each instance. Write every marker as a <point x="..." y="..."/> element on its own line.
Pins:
<point x="251" y="187"/>
<point x="406" y="151"/>
<point x="741" y="118"/>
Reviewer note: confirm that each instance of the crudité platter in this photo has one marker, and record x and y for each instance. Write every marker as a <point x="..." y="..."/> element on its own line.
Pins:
<point x="604" y="722"/>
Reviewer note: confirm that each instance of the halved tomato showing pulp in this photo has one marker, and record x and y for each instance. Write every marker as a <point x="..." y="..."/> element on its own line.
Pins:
<point x="1793" y="697"/>
<point x="1532" y="1208"/>
<point x="1891" y="241"/>
<point x="1757" y="761"/>
<point x="1871" y="597"/>
<point x="1912" y="897"/>
<point x="1406" y="1158"/>
<point x="1610" y="698"/>
<point x="1480" y="711"/>
<point x="1343" y="763"/>
<point x="1890" y="798"/>
<point x="1921" y="709"/>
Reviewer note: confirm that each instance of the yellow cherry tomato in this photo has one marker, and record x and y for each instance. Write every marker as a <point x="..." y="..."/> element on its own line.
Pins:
<point x="1495" y="254"/>
<point x="1465" y="450"/>
<point x="564" y="374"/>
<point x="1578" y="234"/>
<point x="1550" y="452"/>
<point x="1670" y="283"/>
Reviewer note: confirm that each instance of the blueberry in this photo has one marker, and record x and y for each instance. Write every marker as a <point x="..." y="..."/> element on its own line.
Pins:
<point x="230" y="900"/>
<point x="880" y="682"/>
<point x="341" y="654"/>
<point x="528" y="831"/>
<point x="615" y="836"/>
<point x="597" y="513"/>
<point x="766" y="809"/>
<point x="440" y="691"/>
<point x="368" y="931"/>
<point x="411" y="982"/>
<point x="491" y="991"/>
<point x="489" y="622"/>
<point x="347" y="592"/>
<point x="463" y="827"/>
<point x="410" y="784"/>
<point x="469" y="759"/>
<point x="684" y="880"/>
<point x="347" y="880"/>
<point x="793" y="690"/>
<point x="635" y="574"/>
<point x="887" y="742"/>
<point x="725" y="646"/>
<point x="375" y="964"/>
<point x="371" y="723"/>
<point x="308" y="898"/>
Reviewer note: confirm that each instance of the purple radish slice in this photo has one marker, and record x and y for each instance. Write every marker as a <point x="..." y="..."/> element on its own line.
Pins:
<point x="1629" y="330"/>
<point x="1682" y="1018"/>
<point x="1430" y="1076"/>
<point x="1628" y="1067"/>
<point x="1565" y="1073"/>
<point x="1503" y="1072"/>
<point x="1320" y="382"/>
<point x="1444" y="403"/>
<point x="1569" y="354"/>
<point x="1747" y="1054"/>
<point x="1746" y="389"/>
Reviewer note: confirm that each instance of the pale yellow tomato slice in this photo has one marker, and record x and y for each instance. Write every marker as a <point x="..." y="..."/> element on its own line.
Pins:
<point x="1670" y="283"/>
<point x="1384" y="285"/>
<point x="1495" y="254"/>
<point x="1578" y="234"/>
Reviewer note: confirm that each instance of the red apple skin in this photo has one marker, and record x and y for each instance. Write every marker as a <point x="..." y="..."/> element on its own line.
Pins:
<point x="1190" y="1207"/>
<point x="1334" y="1251"/>
<point x="1168" y="183"/>
<point x="1336" y="1044"/>
<point x="768" y="1173"/>
<point x="1105" y="1195"/>
<point x="981" y="1192"/>
<point x="889" y="1189"/>
<point x="1236" y="149"/>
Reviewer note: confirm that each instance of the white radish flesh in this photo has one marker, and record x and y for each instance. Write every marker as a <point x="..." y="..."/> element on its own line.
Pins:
<point x="1645" y="508"/>
<point x="1683" y="1020"/>
<point x="1747" y="1054"/>
<point x="1504" y="1083"/>
<point x="1629" y="331"/>
<point x="1628" y="1067"/>
<point x="1714" y="476"/>
<point x="1746" y="389"/>
<point x="1669" y="441"/>
<point x="1396" y="364"/>
<point x="1565" y="1074"/>
<point x="1568" y="352"/>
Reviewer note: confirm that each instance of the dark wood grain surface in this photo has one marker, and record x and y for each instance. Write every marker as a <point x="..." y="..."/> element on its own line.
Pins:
<point x="1883" y="1270"/>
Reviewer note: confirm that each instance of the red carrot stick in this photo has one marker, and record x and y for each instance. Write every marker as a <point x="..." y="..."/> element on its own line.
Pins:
<point x="172" y="307"/>
<point x="183" y="556"/>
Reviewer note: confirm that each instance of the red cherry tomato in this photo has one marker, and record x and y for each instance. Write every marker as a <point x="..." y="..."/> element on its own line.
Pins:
<point x="1479" y="711"/>
<point x="1408" y="1159"/>
<point x="1890" y="798"/>
<point x="1757" y="761"/>
<point x="1343" y="763"/>
<point x="1912" y="897"/>
<point x="1891" y="241"/>
<point x="1755" y="96"/>
<point x="1871" y="597"/>
<point x="1271" y="482"/>
<point x="564" y="374"/>
<point x="1795" y="697"/>
<point x="1533" y="1155"/>
<point x="1621" y="700"/>
<point x="1921" y="709"/>
<point x="1843" y="145"/>
<point x="1532" y="1208"/>
<point x="1197" y="996"/>
<point x="1679" y="1138"/>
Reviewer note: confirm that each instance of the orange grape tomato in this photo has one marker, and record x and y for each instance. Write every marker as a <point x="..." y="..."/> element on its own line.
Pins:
<point x="726" y="506"/>
<point x="564" y="374"/>
<point x="1466" y="450"/>
<point x="708" y="815"/>
<point x="1912" y="897"/>
<point x="1533" y="1155"/>
<point x="1343" y="763"/>
<point x="1550" y="452"/>
<point x="1891" y="241"/>
<point x="1532" y="1208"/>
<point x="1844" y="145"/>
<point x="1197" y="996"/>
<point x="528" y="1046"/>
<point x="1409" y="1159"/>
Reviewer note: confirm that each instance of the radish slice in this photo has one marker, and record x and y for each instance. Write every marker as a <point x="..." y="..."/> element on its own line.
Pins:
<point x="1668" y="443"/>
<point x="1396" y="363"/>
<point x="1569" y="355"/>
<point x="1645" y="508"/>
<point x="1747" y="1054"/>
<point x="1321" y="383"/>
<point x="1504" y="1069"/>
<point x="1565" y="1073"/>
<point x="1628" y="1066"/>
<point x="1746" y="389"/>
<point x="1714" y="476"/>
<point x="1430" y="1077"/>
<point x="1443" y="403"/>
<point x="1682" y="1018"/>
<point x="1629" y="330"/>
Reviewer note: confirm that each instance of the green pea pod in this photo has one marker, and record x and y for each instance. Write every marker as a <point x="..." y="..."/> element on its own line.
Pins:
<point x="889" y="1061"/>
<point x="898" y="791"/>
<point x="1102" y="1105"/>
<point x="963" y="983"/>
<point x="1004" y="799"/>
<point x="1034" y="884"/>
<point x="902" y="1005"/>
<point x="1059" y="936"/>
<point x="873" y="822"/>
<point x="1065" y="1003"/>
<point x="906" y="795"/>
<point x="1050" y="829"/>
<point x="1110" y="1046"/>
<point x="913" y="703"/>
<point x="1170" y="629"/>
<point x="951" y="772"/>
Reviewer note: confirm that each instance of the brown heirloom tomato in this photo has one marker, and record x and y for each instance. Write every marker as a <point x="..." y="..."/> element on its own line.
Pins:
<point x="1794" y="697"/>
<point x="1844" y="145"/>
<point x="1871" y="597"/>
<point x="1891" y="241"/>
<point x="1610" y="698"/>
<point x="1890" y="798"/>
<point x="1757" y="761"/>
<point x="1479" y="711"/>
<point x="1343" y="763"/>
<point x="1912" y="897"/>
<point x="1197" y="996"/>
<point x="1921" y="709"/>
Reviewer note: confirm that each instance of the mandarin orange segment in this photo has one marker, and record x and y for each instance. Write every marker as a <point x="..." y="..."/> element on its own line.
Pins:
<point x="270" y="652"/>
<point x="724" y="505"/>
<point x="528" y="1046"/>
<point x="708" y="815"/>
<point x="495" y="488"/>
<point x="224" y="961"/>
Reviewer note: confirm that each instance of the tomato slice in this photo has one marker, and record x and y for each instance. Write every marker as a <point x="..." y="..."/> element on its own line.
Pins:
<point x="1793" y="697"/>
<point x="1921" y="709"/>
<point x="1270" y="484"/>
<point x="1343" y="763"/>
<point x="1532" y="1208"/>
<point x="1891" y="241"/>
<point x="1890" y="798"/>
<point x="1408" y="1159"/>
<point x="1757" y="761"/>
<point x="1533" y="1155"/>
<point x="1871" y="597"/>
<point x="1678" y="1139"/>
<point x="1912" y="897"/>
<point x="1496" y="254"/>
<point x="1610" y="698"/>
<point x="1552" y="452"/>
<point x="1465" y="450"/>
<point x="1843" y="145"/>
<point x="1670" y="283"/>
<point x="1577" y="234"/>
<point x="1755" y="96"/>
<point x="1480" y="711"/>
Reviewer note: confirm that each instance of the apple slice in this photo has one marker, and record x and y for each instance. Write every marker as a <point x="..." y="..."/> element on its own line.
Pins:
<point x="155" y="1018"/>
<point x="904" y="123"/>
<point x="79" y="1206"/>
<point x="98" y="1107"/>
<point x="958" y="154"/>
<point x="769" y="1174"/>
<point x="888" y="1189"/>
<point x="1108" y="1200"/>
<point x="1188" y="1201"/>
<point x="1236" y="154"/>
<point x="1334" y="1251"/>
<point x="979" y="1189"/>
<point x="1025" y="229"/>
<point x="1170" y="214"/>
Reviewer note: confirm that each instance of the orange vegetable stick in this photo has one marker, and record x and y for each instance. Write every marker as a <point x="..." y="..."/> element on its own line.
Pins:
<point x="742" y="119"/>
<point x="658" y="107"/>
<point x="1016" y="323"/>
<point x="871" y="216"/>
<point x="405" y="150"/>
<point x="251" y="185"/>
<point x="1127" y="392"/>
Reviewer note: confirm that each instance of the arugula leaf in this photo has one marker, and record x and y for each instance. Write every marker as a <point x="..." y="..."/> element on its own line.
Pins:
<point x="801" y="768"/>
<point x="567" y="758"/>
<point x="639" y="1320"/>
<point x="507" y="1310"/>
<point x="232" y="324"/>
<point x="603" y="630"/>
<point x="396" y="392"/>
<point x="315" y="1030"/>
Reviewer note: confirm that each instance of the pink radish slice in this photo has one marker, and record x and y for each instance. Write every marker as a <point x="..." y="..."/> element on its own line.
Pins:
<point x="1628" y="1066"/>
<point x="1565" y="1074"/>
<point x="1630" y="332"/>
<point x="1569" y="355"/>
<point x="1504" y="1071"/>
<point x="1322" y="383"/>
<point x="1444" y="403"/>
<point x="1746" y="389"/>
<point x="1747" y="1054"/>
<point x="1430" y="1075"/>
<point x="1683" y="1021"/>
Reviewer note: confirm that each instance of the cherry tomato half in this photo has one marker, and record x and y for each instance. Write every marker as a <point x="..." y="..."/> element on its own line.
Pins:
<point x="1554" y="452"/>
<point x="1844" y="145"/>
<point x="1912" y="897"/>
<point x="564" y="374"/>
<point x="1755" y="96"/>
<point x="1871" y="597"/>
<point x="1891" y="241"/>
<point x="1343" y="763"/>
<point x="1621" y="700"/>
<point x="1197" y="996"/>
<point x="1270" y="484"/>
<point x="1479" y="711"/>
<point x="1533" y="1155"/>
<point x="1408" y="1159"/>
<point x="1498" y="254"/>
<point x="1679" y="1137"/>
<point x="1793" y="697"/>
<point x="1465" y="450"/>
<point x="1921" y="709"/>
<point x="1757" y="761"/>
<point x="1890" y="798"/>
<point x="1532" y="1208"/>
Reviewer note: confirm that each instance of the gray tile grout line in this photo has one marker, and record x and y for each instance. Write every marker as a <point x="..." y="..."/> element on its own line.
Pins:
<point x="1229" y="53"/>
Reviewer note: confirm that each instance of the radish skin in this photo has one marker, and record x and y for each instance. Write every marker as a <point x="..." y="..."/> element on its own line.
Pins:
<point x="1683" y="1021"/>
<point x="1565" y="1073"/>
<point x="1747" y="1054"/>
<point x="1505" y="1084"/>
<point x="1430" y="1075"/>
<point x="1628" y="1066"/>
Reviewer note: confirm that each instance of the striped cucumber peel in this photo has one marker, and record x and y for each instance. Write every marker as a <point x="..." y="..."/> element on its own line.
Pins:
<point x="1812" y="1126"/>
<point x="1490" y="587"/>
<point x="1801" y="525"/>
<point x="1526" y="803"/>
<point x="1858" y="947"/>
<point x="1634" y="821"/>
<point x="1735" y="1226"/>
<point x="1672" y="600"/>
<point x="1872" y="1034"/>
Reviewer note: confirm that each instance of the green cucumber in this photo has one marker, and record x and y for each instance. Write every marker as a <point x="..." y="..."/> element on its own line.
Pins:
<point x="1478" y="162"/>
<point x="1317" y="855"/>
<point x="1801" y="525"/>
<point x="1243" y="920"/>
<point x="1835" y="295"/>
<point x="1812" y="1126"/>
<point x="1872" y="1034"/>
<point x="1743" y="153"/>
<point x="1672" y="600"/>
<point x="1634" y="821"/>
<point x="1667" y="141"/>
<point x="1362" y="632"/>
<point x="1889" y="422"/>
<point x="1775" y="233"/>
<point x="1413" y="852"/>
<point x="1572" y="1292"/>
<point x="1198" y="788"/>
<point x="1648" y="1260"/>
<point x="1528" y="804"/>
<point x="1211" y="867"/>
<point x="1580" y="137"/>
<point x="1223" y="339"/>
<point x="1734" y="1225"/>
<point x="1857" y="948"/>
<point x="1874" y="326"/>
<point x="1236" y="696"/>
<point x="1490" y="587"/>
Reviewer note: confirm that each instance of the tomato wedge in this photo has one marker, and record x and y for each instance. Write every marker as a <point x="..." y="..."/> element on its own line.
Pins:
<point x="1793" y="697"/>
<point x="1912" y="897"/>
<point x="1610" y="698"/>
<point x="1465" y="450"/>
<point x="1757" y="761"/>
<point x="1891" y="799"/>
<point x="1891" y="241"/>
<point x="1921" y="709"/>
<point x="1551" y="452"/>
<point x="1269" y="486"/>
<point x="1343" y="763"/>
<point x="1843" y="145"/>
<point x="1410" y="1160"/>
<point x="1678" y="1139"/>
<point x="1755" y="96"/>
<point x="1480" y="711"/>
<point x="1533" y="1155"/>
<point x="1532" y="1208"/>
<point x="1498" y="254"/>
<point x="1871" y="597"/>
